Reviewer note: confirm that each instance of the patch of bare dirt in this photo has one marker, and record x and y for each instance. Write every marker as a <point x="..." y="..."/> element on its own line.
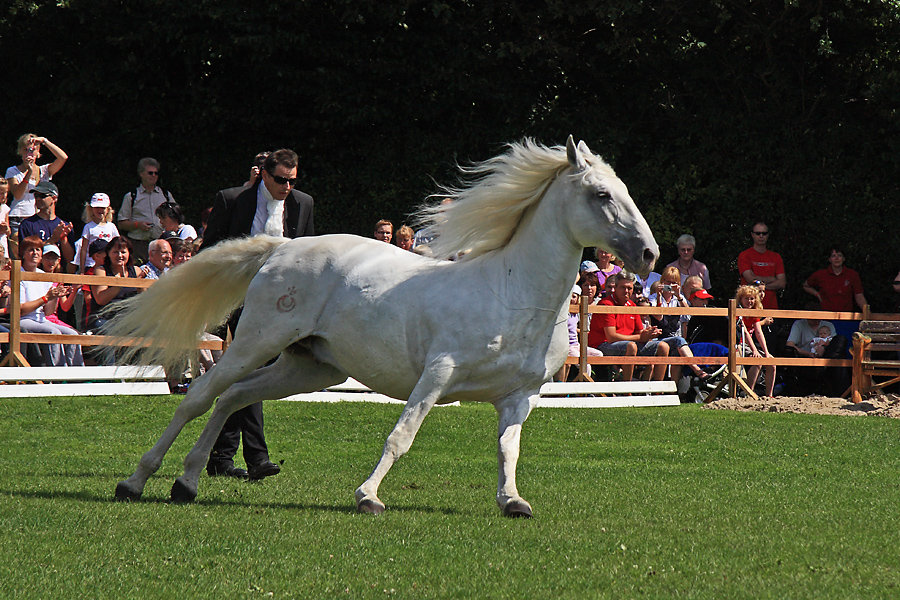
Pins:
<point x="878" y="406"/>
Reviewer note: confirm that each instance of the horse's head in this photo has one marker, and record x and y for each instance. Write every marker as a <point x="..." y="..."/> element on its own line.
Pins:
<point x="603" y="214"/>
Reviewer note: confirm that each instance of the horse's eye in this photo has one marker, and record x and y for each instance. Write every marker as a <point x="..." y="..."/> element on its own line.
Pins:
<point x="603" y="195"/>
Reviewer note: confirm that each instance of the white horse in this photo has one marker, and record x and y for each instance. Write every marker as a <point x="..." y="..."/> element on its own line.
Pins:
<point x="490" y="326"/>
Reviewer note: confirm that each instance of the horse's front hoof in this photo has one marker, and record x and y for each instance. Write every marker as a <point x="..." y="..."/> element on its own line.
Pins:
<point x="517" y="509"/>
<point x="125" y="492"/>
<point x="181" y="493"/>
<point x="369" y="506"/>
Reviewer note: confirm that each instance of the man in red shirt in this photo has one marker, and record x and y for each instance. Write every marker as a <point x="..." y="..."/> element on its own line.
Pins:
<point x="836" y="287"/>
<point x="622" y="335"/>
<point x="757" y="263"/>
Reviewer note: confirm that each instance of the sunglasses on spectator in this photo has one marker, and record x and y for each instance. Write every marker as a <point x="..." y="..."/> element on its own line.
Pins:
<point x="152" y="172"/>
<point x="760" y="233"/>
<point x="283" y="180"/>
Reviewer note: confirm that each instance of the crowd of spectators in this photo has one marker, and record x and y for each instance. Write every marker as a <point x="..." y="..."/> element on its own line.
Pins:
<point x="759" y="279"/>
<point x="149" y="235"/>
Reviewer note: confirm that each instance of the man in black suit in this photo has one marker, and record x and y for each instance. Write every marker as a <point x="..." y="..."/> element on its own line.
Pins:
<point x="269" y="206"/>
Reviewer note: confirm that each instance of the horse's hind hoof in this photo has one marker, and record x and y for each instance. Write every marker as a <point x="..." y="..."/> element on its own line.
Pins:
<point x="517" y="509"/>
<point x="370" y="507"/>
<point x="125" y="492"/>
<point x="181" y="493"/>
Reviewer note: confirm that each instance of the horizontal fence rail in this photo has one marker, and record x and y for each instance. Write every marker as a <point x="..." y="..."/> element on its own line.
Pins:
<point x="15" y="337"/>
<point x="733" y="360"/>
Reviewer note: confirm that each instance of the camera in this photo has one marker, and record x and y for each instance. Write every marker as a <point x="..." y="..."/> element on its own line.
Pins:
<point x="667" y="288"/>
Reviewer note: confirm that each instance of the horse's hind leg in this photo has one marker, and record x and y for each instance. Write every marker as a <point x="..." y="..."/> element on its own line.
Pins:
<point x="292" y="373"/>
<point x="428" y="390"/>
<point x="513" y="412"/>
<point x="236" y="363"/>
<point x="197" y="401"/>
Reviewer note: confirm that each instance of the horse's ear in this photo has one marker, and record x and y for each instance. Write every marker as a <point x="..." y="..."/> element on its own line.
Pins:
<point x="583" y="148"/>
<point x="574" y="153"/>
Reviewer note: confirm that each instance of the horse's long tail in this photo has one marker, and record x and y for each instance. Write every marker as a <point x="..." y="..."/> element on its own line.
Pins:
<point x="196" y="295"/>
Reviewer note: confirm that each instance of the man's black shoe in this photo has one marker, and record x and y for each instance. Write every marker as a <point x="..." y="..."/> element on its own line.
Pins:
<point x="226" y="471"/>
<point x="264" y="469"/>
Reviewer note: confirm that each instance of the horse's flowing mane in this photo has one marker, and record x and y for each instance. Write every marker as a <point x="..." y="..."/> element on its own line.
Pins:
<point x="485" y="210"/>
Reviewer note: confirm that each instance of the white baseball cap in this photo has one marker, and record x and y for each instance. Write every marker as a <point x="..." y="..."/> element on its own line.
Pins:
<point x="99" y="200"/>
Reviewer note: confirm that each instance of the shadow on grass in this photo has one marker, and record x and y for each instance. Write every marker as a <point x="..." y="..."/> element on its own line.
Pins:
<point x="85" y="496"/>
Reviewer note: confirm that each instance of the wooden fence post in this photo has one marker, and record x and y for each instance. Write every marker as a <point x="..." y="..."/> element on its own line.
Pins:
<point x="732" y="343"/>
<point x="15" y="358"/>
<point x="584" y="323"/>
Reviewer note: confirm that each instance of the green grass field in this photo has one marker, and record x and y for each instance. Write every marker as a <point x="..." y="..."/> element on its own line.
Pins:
<point x="673" y="502"/>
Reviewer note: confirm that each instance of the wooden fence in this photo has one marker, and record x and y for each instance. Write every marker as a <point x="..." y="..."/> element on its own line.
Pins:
<point x="733" y="361"/>
<point x="15" y="337"/>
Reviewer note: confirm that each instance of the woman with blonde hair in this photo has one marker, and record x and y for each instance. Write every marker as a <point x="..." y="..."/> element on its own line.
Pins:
<point x="748" y="328"/>
<point x="27" y="174"/>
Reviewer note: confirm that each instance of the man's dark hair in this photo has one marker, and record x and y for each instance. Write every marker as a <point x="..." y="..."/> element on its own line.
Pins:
<point x="835" y="248"/>
<point x="284" y="157"/>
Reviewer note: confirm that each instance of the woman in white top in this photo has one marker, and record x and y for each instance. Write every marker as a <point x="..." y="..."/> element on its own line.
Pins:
<point x="23" y="177"/>
<point x="39" y="298"/>
<point x="172" y="219"/>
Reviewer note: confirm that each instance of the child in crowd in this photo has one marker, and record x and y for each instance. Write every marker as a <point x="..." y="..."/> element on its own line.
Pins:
<point x="820" y="342"/>
<point x="97" y="254"/>
<point x="98" y="218"/>
<point x="4" y="216"/>
<point x="405" y="237"/>
<point x="51" y="262"/>
<point x="748" y="296"/>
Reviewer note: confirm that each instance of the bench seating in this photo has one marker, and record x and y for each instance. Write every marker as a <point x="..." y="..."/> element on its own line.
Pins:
<point x="874" y="336"/>
<point x="553" y="395"/>
<point x="608" y="394"/>
<point x="34" y="382"/>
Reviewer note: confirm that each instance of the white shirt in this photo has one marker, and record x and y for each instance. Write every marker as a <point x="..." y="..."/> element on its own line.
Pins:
<point x="32" y="290"/>
<point x="269" y="217"/>
<point x="96" y="231"/>
<point x="4" y="211"/>
<point x="24" y="207"/>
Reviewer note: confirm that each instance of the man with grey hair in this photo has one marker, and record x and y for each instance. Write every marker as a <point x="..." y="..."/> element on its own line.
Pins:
<point x="159" y="259"/>
<point x="686" y="264"/>
<point x="137" y="217"/>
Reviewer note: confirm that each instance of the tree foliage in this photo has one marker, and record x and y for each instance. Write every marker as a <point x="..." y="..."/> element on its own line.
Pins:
<point x="716" y="113"/>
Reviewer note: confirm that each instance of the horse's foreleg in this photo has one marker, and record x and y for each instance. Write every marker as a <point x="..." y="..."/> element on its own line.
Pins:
<point x="426" y="393"/>
<point x="195" y="403"/>
<point x="513" y="412"/>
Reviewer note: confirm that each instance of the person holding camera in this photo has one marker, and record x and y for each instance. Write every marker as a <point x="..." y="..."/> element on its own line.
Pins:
<point x="25" y="176"/>
<point x="668" y="294"/>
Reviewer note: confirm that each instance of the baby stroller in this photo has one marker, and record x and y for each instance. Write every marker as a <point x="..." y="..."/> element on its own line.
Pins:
<point x="694" y="389"/>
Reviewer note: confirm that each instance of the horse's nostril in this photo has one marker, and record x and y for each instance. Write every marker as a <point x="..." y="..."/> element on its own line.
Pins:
<point x="649" y="256"/>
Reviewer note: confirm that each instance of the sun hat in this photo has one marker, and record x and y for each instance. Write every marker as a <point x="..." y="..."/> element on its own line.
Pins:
<point x="589" y="266"/>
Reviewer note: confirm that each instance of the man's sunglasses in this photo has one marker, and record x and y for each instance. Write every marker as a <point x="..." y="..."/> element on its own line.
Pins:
<point x="283" y="180"/>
